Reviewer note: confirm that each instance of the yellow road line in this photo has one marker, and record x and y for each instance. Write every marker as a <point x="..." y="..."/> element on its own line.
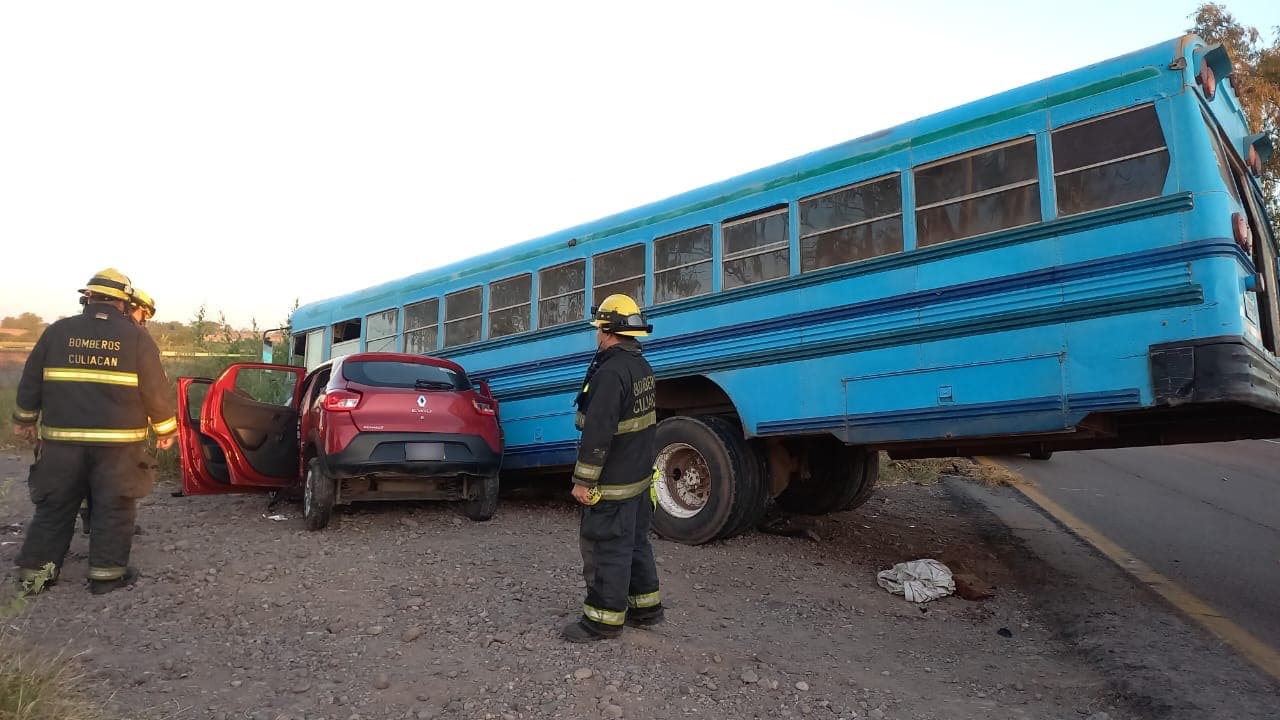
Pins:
<point x="1258" y="652"/>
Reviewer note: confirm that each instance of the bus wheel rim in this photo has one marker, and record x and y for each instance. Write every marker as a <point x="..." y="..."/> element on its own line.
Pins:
<point x="684" y="481"/>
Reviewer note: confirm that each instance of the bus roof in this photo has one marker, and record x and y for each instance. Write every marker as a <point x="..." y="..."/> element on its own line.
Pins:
<point x="1092" y="79"/>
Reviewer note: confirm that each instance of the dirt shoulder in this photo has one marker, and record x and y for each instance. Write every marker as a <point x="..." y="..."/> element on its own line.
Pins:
<point x="398" y="612"/>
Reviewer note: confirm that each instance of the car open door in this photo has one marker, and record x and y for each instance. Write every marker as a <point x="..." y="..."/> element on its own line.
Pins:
<point x="247" y="434"/>
<point x="204" y="465"/>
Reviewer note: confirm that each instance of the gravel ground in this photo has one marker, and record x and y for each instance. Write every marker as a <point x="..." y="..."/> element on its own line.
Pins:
<point x="410" y="611"/>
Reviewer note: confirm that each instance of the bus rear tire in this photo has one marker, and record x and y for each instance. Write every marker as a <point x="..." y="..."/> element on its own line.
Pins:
<point x="1041" y="454"/>
<point x="842" y="477"/>
<point x="710" y="484"/>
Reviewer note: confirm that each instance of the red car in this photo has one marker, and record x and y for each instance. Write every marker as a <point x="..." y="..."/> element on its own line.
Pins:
<point x="369" y="426"/>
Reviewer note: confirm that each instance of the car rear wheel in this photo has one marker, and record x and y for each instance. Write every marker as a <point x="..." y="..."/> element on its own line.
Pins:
<point x="318" y="494"/>
<point x="484" y="502"/>
<point x="710" y="482"/>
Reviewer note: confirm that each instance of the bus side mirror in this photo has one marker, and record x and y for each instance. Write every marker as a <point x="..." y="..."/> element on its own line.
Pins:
<point x="266" y="350"/>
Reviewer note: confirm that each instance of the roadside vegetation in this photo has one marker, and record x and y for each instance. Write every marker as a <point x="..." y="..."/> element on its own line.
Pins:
<point x="34" y="683"/>
<point x="932" y="470"/>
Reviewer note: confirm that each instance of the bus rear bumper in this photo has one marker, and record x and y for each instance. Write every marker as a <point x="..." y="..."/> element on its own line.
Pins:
<point x="1214" y="370"/>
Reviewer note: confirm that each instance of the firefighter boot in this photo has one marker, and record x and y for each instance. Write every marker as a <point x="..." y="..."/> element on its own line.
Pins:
<point x="102" y="587"/>
<point x="646" y="617"/>
<point x="583" y="630"/>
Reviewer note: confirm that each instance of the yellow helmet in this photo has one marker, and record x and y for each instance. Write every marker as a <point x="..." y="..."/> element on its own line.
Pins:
<point x="144" y="301"/>
<point x="620" y="315"/>
<point x="110" y="282"/>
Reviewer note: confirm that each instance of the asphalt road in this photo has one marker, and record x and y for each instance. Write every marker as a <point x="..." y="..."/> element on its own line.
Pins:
<point x="1205" y="516"/>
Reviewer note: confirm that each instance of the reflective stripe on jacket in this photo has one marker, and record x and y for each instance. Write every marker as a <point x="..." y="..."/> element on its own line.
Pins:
<point x="96" y="378"/>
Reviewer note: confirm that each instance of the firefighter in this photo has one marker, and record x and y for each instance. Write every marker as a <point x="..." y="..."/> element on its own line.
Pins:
<point x="613" y="478"/>
<point x="141" y="309"/>
<point x="92" y="384"/>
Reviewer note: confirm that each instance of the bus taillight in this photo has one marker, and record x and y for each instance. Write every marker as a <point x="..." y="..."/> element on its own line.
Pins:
<point x="1255" y="161"/>
<point x="1244" y="236"/>
<point x="1208" y="81"/>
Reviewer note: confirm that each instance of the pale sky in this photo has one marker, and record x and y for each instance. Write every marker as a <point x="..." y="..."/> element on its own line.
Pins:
<point x="243" y="154"/>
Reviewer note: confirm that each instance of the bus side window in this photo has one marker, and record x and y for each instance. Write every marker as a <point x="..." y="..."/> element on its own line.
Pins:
<point x="422" y="327"/>
<point x="346" y="338"/>
<point x="380" y="331"/>
<point x="298" y="354"/>
<point x="1109" y="160"/>
<point x="462" y="311"/>
<point x="619" y="271"/>
<point x="852" y="223"/>
<point x="682" y="265"/>
<point x="562" y="292"/>
<point x="974" y="193"/>
<point x="755" y="248"/>
<point x="509" y="303"/>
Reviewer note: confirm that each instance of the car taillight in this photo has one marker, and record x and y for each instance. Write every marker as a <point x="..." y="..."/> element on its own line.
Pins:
<point x="1208" y="81"/>
<point x="485" y="407"/>
<point x="341" y="400"/>
<point x="1244" y="236"/>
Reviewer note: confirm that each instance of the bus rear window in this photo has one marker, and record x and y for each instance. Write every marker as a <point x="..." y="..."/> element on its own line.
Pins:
<point x="381" y="373"/>
<point x="1109" y="160"/>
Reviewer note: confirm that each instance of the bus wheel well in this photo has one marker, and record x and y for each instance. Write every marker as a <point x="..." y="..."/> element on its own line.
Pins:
<point x="693" y="395"/>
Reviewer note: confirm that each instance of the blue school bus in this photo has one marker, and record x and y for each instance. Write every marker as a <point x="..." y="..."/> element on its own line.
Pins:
<point x="1082" y="262"/>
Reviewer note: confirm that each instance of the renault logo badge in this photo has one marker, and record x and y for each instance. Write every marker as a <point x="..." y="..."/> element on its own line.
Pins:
<point x="422" y="401"/>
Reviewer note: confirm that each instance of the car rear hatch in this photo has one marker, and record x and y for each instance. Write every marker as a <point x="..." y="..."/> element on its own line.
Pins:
<point x="399" y="396"/>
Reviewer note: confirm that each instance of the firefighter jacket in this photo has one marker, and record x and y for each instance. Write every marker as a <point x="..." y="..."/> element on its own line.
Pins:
<point x="95" y="378"/>
<point x="617" y="414"/>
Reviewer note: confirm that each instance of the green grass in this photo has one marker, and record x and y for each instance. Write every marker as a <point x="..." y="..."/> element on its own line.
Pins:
<point x="34" y="684"/>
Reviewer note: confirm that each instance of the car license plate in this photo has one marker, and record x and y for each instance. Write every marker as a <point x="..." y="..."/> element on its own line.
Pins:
<point x="424" y="451"/>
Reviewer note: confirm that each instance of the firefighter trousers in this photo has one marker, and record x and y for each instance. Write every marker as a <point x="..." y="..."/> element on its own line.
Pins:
<point x="617" y="560"/>
<point x="64" y="474"/>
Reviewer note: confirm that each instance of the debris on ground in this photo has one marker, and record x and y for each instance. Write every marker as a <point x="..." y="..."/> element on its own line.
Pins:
<point x="971" y="587"/>
<point x="919" y="581"/>
<point x="805" y="528"/>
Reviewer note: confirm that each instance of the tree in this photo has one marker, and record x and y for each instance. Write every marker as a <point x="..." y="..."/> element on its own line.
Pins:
<point x="1256" y="81"/>
<point x="25" y="321"/>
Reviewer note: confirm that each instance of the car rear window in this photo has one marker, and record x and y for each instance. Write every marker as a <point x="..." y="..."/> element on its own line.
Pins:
<point x="404" y="375"/>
